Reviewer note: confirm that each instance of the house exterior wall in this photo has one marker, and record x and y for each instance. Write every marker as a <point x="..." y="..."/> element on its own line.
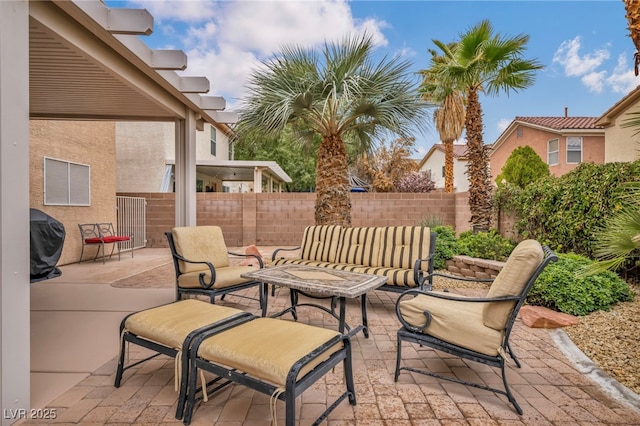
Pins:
<point x="85" y="142"/>
<point x="623" y="144"/>
<point x="435" y="163"/>
<point x="143" y="148"/>
<point x="592" y="149"/>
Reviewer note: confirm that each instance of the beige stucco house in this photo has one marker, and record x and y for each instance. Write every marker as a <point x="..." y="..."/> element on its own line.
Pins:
<point x="145" y="156"/>
<point x="561" y="142"/>
<point x="433" y="162"/>
<point x="622" y="143"/>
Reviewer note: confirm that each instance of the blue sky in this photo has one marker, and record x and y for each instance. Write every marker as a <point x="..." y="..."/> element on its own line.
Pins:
<point x="584" y="45"/>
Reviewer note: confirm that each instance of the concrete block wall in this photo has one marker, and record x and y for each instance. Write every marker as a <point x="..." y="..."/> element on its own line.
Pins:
<point x="280" y="218"/>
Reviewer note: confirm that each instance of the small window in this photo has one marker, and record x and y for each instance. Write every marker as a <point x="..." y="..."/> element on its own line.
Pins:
<point x="519" y="133"/>
<point x="213" y="141"/>
<point x="443" y="171"/>
<point x="574" y="150"/>
<point x="66" y="183"/>
<point x="552" y="152"/>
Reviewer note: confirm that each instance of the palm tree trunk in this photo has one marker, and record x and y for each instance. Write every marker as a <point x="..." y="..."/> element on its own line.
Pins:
<point x="632" y="8"/>
<point x="448" y="166"/>
<point x="333" y="190"/>
<point x="477" y="166"/>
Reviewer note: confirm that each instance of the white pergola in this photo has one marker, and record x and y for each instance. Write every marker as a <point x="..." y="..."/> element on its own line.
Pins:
<point x="78" y="60"/>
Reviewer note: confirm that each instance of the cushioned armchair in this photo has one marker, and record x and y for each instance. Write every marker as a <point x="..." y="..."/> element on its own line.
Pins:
<point x="202" y="266"/>
<point x="477" y="329"/>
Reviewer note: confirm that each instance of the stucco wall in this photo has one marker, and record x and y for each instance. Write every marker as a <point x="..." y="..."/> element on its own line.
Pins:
<point x="623" y="145"/>
<point x="592" y="149"/>
<point x="141" y="151"/>
<point x="83" y="142"/>
<point x="435" y="162"/>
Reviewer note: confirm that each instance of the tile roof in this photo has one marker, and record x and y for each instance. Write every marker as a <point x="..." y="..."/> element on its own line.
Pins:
<point x="458" y="150"/>
<point x="560" y="123"/>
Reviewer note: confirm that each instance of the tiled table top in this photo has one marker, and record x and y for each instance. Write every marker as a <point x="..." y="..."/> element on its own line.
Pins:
<point x="318" y="280"/>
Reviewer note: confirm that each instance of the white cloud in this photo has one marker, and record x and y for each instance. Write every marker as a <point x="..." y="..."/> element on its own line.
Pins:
<point x="568" y="56"/>
<point x="226" y="40"/>
<point x="588" y="67"/>
<point x="503" y="123"/>
<point x="623" y="79"/>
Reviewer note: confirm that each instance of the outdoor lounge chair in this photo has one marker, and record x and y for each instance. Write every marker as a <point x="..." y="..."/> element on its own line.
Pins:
<point x="476" y="329"/>
<point x="202" y="266"/>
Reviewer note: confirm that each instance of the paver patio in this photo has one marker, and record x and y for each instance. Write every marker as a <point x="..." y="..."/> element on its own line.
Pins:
<point x="550" y="389"/>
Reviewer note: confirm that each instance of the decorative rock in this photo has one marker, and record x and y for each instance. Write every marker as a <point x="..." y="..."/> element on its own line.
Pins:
<point x="540" y="317"/>
<point x="252" y="249"/>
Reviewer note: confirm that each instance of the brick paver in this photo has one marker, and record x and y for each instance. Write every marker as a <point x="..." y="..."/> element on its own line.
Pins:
<point x="549" y="389"/>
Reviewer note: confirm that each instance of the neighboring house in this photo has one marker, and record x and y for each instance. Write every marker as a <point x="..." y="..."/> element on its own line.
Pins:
<point x="433" y="162"/>
<point x="561" y="142"/>
<point x="143" y="167"/>
<point x="622" y="143"/>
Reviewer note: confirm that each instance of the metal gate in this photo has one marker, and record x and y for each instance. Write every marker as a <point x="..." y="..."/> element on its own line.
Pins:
<point x="132" y="219"/>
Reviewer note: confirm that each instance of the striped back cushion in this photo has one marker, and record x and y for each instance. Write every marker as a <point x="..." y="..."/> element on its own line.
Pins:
<point x="320" y="243"/>
<point x="400" y="246"/>
<point x="200" y="243"/>
<point x="359" y="246"/>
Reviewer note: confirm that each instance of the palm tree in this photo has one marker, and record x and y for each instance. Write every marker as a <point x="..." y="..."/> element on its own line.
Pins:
<point x="340" y="93"/>
<point x="448" y="117"/>
<point x="632" y="9"/>
<point x="483" y="62"/>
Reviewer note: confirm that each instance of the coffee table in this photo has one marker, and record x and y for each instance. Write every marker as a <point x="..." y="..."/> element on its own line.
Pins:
<point x="321" y="283"/>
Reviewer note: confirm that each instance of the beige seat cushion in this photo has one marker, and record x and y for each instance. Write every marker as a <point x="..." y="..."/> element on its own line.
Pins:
<point x="359" y="246"/>
<point x="456" y="322"/>
<point x="201" y="244"/>
<point x="267" y="348"/>
<point x="170" y="324"/>
<point x="320" y="243"/>
<point x="400" y="246"/>
<point x="225" y="277"/>
<point x="510" y="281"/>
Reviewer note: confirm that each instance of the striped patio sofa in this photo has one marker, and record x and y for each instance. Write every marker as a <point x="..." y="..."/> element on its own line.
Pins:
<point x="404" y="254"/>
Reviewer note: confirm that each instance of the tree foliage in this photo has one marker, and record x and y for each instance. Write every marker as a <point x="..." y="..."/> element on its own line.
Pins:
<point x="483" y="61"/>
<point x="449" y="116"/>
<point x="522" y="167"/>
<point x="339" y="93"/>
<point x="390" y="168"/>
<point x="296" y="159"/>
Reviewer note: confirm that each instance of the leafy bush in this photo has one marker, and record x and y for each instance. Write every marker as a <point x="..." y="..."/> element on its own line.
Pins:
<point x="446" y="245"/>
<point x="522" y="167"/>
<point x="485" y="245"/>
<point x="415" y="182"/>
<point x="566" y="212"/>
<point x="560" y="288"/>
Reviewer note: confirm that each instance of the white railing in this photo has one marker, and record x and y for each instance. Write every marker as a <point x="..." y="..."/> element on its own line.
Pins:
<point x="132" y="219"/>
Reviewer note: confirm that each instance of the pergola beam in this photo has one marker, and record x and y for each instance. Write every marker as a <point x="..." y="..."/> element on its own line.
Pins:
<point x="119" y="21"/>
<point x="224" y="117"/>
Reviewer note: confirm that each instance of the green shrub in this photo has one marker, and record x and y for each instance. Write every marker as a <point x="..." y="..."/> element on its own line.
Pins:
<point x="566" y="212"/>
<point x="485" y="245"/>
<point x="446" y="245"/>
<point x="522" y="167"/>
<point x="560" y="288"/>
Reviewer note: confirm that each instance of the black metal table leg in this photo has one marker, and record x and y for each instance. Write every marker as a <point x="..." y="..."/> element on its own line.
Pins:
<point x="343" y="312"/>
<point x="365" y="323"/>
